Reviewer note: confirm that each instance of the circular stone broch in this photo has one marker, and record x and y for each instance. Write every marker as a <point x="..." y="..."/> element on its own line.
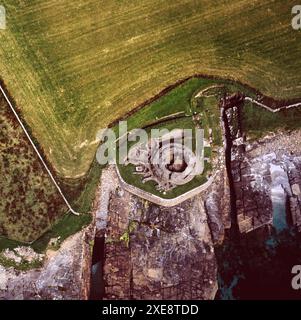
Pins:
<point x="165" y="160"/>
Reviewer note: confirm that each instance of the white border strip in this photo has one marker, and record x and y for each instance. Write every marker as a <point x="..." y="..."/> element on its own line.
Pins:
<point x="38" y="153"/>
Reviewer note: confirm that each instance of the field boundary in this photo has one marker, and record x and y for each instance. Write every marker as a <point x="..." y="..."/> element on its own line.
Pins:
<point x="164" y="91"/>
<point x="38" y="153"/>
<point x="295" y="105"/>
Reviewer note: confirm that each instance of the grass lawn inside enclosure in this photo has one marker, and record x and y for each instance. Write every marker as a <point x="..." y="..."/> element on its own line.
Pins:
<point x="179" y="99"/>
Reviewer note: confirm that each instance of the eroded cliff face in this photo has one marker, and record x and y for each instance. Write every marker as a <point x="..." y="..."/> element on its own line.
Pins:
<point x="65" y="274"/>
<point x="154" y="252"/>
<point x="256" y="263"/>
<point x="150" y="252"/>
<point x="267" y="185"/>
<point x="266" y="176"/>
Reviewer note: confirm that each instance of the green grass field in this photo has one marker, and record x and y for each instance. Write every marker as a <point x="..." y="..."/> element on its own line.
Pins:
<point x="31" y="209"/>
<point x="258" y="122"/>
<point x="75" y="66"/>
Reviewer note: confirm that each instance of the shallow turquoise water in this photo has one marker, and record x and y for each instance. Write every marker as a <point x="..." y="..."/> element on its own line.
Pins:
<point x="279" y="217"/>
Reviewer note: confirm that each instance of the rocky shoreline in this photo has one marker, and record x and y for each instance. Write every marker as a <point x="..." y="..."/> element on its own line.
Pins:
<point x="65" y="273"/>
<point x="270" y="164"/>
<point x="155" y="252"/>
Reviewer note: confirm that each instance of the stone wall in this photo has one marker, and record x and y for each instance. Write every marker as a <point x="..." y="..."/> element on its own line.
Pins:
<point x="170" y="202"/>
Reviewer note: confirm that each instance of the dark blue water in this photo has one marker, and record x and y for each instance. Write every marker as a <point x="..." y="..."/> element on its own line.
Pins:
<point x="258" y="265"/>
<point x="97" y="290"/>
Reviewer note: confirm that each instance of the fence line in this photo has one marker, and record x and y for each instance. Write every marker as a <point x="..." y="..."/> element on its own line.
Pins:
<point x="38" y="153"/>
<point x="295" y="105"/>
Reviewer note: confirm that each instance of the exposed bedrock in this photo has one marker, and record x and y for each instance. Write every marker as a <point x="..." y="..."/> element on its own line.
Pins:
<point x="153" y="252"/>
<point x="150" y="251"/>
<point x="264" y="176"/>
<point x="267" y="176"/>
<point x="65" y="274"/>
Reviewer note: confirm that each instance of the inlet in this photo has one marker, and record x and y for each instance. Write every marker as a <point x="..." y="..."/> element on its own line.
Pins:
<point x="97" y="290"/>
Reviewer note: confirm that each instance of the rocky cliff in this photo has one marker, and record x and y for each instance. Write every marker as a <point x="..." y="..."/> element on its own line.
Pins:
<point x="155" y="252"/>
<point x="64" y="275"/>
